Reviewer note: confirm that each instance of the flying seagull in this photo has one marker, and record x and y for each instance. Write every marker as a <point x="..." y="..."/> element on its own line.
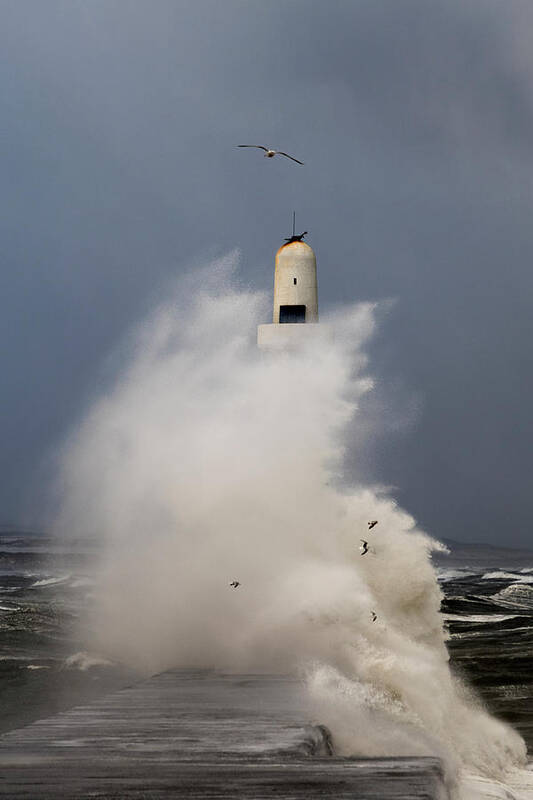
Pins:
<point x="234" y="584"/>
<point x="372" y="523"/>
<point x="374" y="616"/>
<point x="364" y="547"/>
<point x="271" y="153"/>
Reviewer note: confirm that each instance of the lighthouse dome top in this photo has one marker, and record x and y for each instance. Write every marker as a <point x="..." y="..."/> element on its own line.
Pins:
<point x="298" y="248"/>
<point x="297" y="260"/>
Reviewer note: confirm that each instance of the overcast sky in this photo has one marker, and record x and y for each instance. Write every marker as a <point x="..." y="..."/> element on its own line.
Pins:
<point x="415" y="120"/>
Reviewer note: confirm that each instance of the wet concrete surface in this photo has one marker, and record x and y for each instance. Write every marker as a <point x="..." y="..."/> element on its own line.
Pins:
<point x="200" y="734"/>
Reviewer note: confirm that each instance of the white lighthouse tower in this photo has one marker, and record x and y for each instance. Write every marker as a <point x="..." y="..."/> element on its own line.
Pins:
<point x="295" y="296"/>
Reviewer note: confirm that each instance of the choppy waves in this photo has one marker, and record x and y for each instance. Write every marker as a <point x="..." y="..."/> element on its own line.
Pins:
<point x="500" y="575"/>
<point x="489" y="614"/>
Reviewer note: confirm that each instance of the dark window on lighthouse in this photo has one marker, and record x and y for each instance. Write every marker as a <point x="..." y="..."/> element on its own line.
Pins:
<point x="292" y="313"/>
<point x="294" y="279"/>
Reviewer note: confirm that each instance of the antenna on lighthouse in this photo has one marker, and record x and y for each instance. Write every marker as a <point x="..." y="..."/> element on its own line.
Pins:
<point x="295" y="237"/>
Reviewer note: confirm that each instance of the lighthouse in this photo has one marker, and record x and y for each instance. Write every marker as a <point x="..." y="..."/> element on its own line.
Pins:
<point x="295" y="296"/>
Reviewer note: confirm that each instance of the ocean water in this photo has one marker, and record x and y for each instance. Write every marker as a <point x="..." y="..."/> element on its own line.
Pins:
<point x="488" y="611"/>
<point x="45" y="667"/>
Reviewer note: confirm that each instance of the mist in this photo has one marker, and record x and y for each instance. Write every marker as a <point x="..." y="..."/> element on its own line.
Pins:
<point x="207" y="461"/>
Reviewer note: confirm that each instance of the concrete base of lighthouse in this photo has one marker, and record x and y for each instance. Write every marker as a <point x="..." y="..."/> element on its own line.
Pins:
<point x="293" y="336"/>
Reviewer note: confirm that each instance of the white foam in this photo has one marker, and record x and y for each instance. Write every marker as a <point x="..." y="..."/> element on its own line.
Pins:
<point x="517" y="785"/>
<point x="517" y="595"/>
<point x="447" y="573"/>
<point x="513" y="576"/>
<point x="84" y="661"/>
<point x="50" y="581"/>
<point x="478" y="617"/>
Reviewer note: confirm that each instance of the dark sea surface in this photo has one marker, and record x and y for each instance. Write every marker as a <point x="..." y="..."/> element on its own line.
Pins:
<point x="45" y="667"/>
<point x="488" y="610"/>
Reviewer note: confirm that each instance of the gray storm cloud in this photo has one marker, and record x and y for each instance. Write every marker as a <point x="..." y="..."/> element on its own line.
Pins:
<point x="415" y="123"/>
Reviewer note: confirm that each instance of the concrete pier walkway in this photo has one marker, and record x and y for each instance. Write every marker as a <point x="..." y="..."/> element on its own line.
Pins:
<point x="199" y="735"/>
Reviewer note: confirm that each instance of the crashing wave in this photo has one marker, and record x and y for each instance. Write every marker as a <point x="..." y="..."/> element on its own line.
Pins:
<point x="207" y="462"/>
<point x="517" y="595"/>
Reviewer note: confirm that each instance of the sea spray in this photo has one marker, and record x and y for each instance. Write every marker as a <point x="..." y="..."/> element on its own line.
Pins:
<point x="208" y="461"/>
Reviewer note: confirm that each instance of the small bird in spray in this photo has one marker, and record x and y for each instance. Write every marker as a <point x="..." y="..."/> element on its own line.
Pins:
<point x="234" y="584"/>
<point x="372" y="524"/>
<point x="364" y="547"/>
<point x="374" y="616"/>
<point x="269" y="153"/>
